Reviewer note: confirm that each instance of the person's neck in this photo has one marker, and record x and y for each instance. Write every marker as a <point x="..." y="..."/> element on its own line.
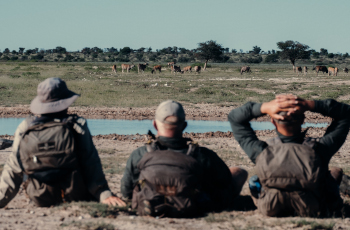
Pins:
<point x="295" y="138"/>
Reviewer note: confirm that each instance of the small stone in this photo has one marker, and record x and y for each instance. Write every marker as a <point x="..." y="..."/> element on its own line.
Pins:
<point x="172" y="222"/>
<point x="80" y="217"/>
<point x="31" y="212"/>
<point x="132" y="217"/>
<point x="62" y="219"/>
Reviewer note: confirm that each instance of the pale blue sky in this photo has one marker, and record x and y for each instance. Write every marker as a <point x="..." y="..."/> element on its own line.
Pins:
<point x="238" y="24"/>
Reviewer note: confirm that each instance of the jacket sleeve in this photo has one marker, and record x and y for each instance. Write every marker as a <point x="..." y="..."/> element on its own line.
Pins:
<point x="336" y="133"/>
<point x="12" y="175"/>
<point x="244" y="134"/>
<point x="90" y="162"/>
<point x="131" y="172"/>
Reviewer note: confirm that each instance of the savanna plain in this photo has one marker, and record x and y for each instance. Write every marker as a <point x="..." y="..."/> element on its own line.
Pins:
<point x="209" y="95"/>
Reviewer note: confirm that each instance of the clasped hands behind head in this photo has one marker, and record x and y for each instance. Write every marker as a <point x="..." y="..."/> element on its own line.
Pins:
<point x="287" y="107"/>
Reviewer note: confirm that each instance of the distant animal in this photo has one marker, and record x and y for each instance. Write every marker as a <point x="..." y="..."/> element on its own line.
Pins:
<point x="298" y="69"/>
<point x="346" y="70"/>
<point x="305" y="70"/>
<point x="171" y="63"/>
<point x="336" y="71"/>
<point x="187" y="69"/>
<point x="331" y="71"/>
<point x="141" y="67"/>
<point x="321" y="68"/>
<point x="114" y="68"/>
<point x="245" y="69"/>
<point x="157" y="67"/>
<point x="127" y="67"/>
<point x="175" y="69"/>
<point x="197" y="69"/>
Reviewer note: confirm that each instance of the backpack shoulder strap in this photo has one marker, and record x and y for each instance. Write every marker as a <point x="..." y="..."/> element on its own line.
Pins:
<point x="310" y="142"/>
<point x="152" y="146"/>
<point x="192" y="147"/>
<point x="274" y="141"/>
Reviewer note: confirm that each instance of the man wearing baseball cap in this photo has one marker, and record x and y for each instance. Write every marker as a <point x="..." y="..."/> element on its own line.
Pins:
<point x="220" y="183"/>
<point x="80" y="177"/>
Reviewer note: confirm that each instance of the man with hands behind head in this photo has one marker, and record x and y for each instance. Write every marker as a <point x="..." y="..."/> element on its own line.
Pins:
<point x="293" y="175"/>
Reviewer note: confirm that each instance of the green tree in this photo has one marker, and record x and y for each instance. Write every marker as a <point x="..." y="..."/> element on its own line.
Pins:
<point x="323" y="51"/>
<point x="209" y="50"/>
<point x="293" y="50"/>
<point x="125" y="51"/>
<point x="256" y="49"/>
<point x="21" y="50"/>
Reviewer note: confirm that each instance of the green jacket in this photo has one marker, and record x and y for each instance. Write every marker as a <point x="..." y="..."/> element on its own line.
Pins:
<point x="12" y="175"/>
<point x="217" y="177"/>
<point x="326" y="146"/>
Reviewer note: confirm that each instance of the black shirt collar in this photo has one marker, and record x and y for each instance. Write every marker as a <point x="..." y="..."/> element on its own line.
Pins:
<point x="298" y="138"/>
<point x="173" y="142"/>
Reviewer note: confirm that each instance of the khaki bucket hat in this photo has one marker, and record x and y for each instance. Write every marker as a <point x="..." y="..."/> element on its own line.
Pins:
<point x="52" y="96"/>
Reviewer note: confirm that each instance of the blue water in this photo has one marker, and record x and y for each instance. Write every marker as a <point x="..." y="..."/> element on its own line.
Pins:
<point x="126" y="127"/>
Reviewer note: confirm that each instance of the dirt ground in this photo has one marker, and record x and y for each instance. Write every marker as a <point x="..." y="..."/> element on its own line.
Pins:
<point x="193" y="112"/>
<point x="114" y="149"/>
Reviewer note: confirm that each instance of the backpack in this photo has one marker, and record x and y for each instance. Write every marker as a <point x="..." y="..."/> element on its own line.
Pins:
<point x="47" y="155"/>
<point x="292" y="178"/>
<point x="168" y="183"/>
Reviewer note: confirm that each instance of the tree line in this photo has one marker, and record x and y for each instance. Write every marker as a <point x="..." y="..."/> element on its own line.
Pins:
<point x="206" y="51"/>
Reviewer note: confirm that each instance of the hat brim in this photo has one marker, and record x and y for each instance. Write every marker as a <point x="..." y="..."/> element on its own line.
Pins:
<point x="38" y="107"/>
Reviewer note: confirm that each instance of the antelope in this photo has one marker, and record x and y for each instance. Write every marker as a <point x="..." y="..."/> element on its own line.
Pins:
<point x="127" y="67"/>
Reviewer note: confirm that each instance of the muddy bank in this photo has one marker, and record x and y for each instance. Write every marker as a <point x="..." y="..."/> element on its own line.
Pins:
<point x="193" y="112"/>
<point x="312" y="132"/>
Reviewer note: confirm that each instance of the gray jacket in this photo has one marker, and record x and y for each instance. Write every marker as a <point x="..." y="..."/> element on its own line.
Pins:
<point x="12" y="175"/>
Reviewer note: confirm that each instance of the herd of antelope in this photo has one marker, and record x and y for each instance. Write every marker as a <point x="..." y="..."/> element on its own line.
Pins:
<point x="173" y="67"/>
<point x="320" y="68"/>
<point x="176" y="69"/>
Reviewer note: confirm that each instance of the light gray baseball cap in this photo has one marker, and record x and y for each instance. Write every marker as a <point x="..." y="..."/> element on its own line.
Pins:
<point x="170" y="108"/>
<point x="52" y="96"/>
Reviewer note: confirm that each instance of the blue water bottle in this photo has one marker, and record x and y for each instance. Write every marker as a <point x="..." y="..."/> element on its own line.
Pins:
<point x="255" y="186"/>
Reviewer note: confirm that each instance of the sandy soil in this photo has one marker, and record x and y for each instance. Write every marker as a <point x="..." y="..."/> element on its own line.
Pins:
<point x="22" y="214"/>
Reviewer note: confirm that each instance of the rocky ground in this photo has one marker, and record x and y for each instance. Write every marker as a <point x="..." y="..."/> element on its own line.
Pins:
<point x="193" y="112"/>
<point x="114" y="149"/>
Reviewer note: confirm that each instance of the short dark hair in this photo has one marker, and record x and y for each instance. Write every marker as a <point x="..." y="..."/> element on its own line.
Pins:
<point x="290" y="119"/>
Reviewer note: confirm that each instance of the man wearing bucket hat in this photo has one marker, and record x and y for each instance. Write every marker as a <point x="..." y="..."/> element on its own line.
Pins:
<point x="292" y="169"/>
<point x="54" y="154"/>
<point x="163" y="163"/>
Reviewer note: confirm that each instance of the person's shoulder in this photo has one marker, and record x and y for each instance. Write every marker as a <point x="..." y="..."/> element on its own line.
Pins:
<point x="138" y="153"/>
<point x="24" y="125"/>
<point x="204" y="152"/>
<point x="80" y="120"/>
<point x="141" y="149"/>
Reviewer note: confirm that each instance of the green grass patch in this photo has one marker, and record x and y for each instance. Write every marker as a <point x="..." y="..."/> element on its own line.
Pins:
<point x="98" y="86"/>
<point x="96" y="209"/>
<point x="31" y="74"/>
<point x="14" y="76"/>
<point x="313" y="225"/>
<point x="268" y="70"/>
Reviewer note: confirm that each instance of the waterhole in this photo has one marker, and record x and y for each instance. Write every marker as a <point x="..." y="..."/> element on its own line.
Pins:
<point x="128" y="127"/>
